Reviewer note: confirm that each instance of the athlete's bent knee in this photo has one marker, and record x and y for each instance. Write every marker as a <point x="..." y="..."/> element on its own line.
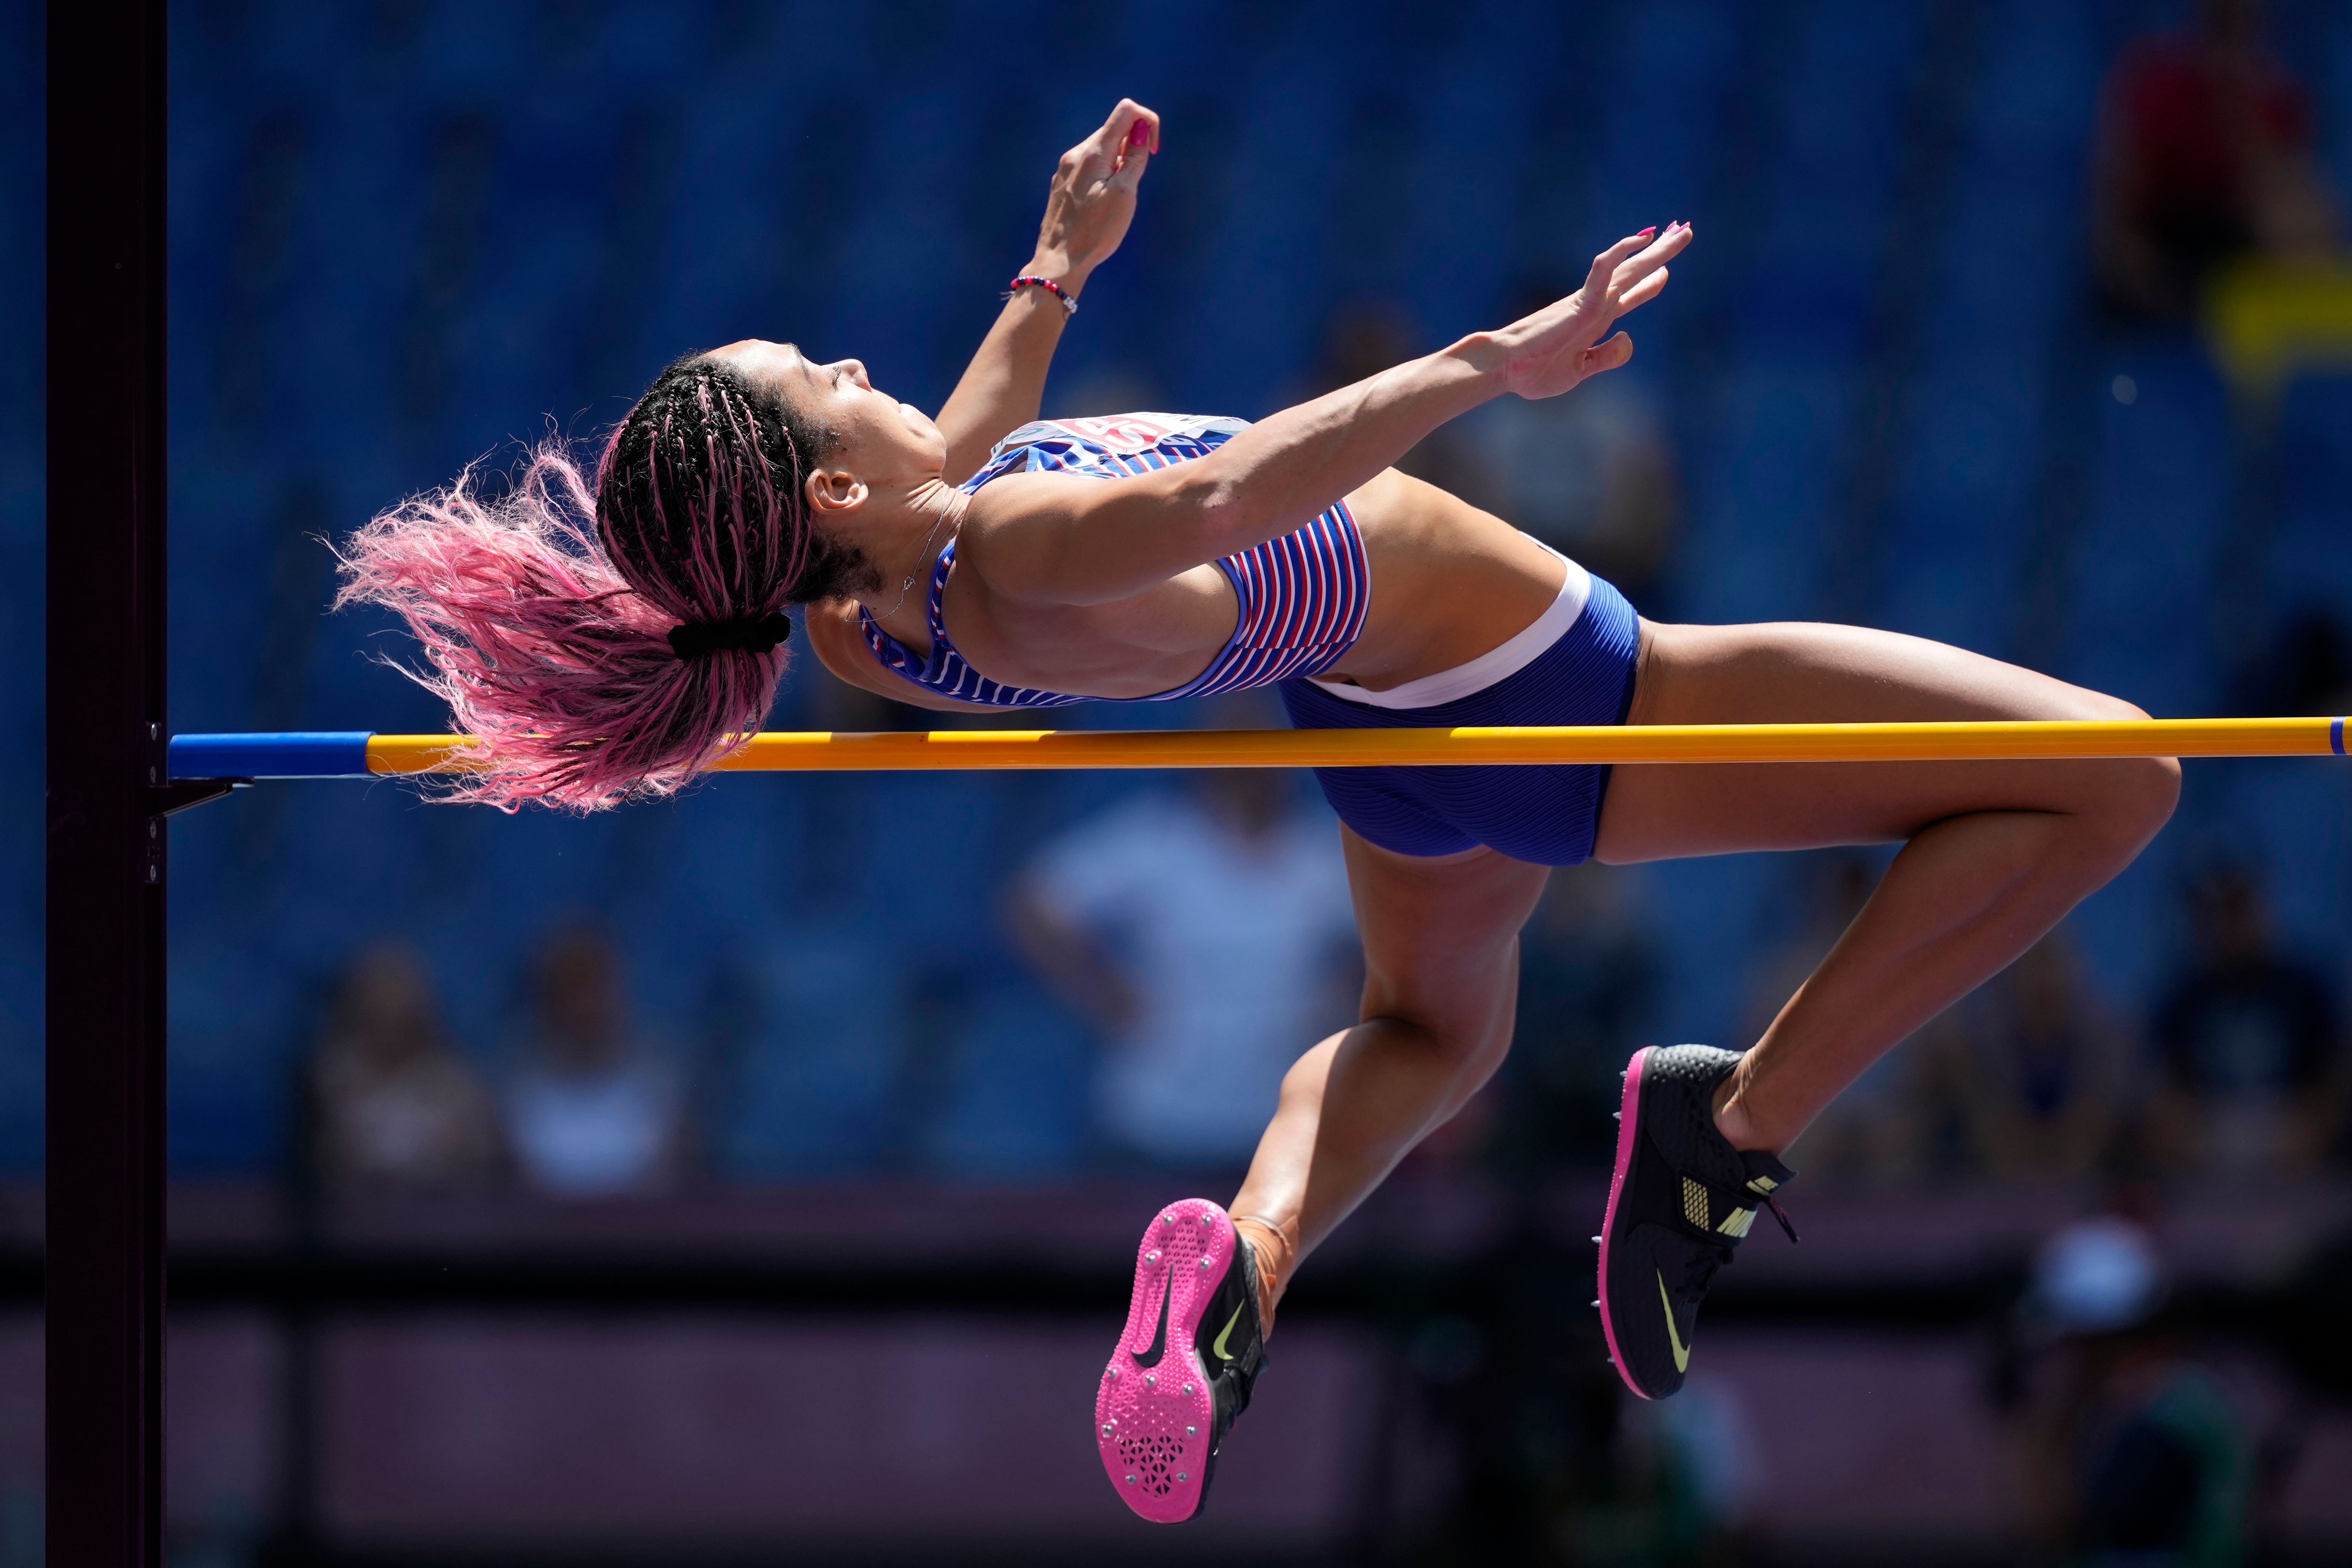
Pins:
<point x="2144" y="798"/>
<point x="2134" y="799"/>
<point x="2137" y="795"/>
<point x="1470" y="1050"/>
<point x="1476" y="1056"/>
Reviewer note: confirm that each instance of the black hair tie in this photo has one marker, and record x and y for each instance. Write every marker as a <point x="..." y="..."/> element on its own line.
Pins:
<point x="759" y="634"/>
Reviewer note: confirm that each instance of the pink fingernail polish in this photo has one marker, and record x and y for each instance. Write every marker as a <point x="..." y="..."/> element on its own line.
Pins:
<point x="1647" y="232"/>
<point x="1141" y="134"/>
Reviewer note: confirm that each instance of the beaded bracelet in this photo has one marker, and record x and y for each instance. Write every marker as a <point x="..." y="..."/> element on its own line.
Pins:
<point x="1069" y="306"/>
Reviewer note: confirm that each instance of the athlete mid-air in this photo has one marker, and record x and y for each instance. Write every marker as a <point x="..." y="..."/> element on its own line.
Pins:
<point x="608" y="634"/>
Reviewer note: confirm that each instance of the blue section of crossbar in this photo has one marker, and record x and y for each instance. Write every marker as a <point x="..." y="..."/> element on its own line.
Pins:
<point x="299" y="754"/>
<point x="2335" y="736"/>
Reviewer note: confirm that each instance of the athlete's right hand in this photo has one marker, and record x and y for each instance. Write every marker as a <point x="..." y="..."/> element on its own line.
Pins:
<point x="1549" y="352"/>
<point x="1092" y="196"/>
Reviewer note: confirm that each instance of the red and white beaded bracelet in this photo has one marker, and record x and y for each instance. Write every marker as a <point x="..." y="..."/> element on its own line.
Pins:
<point x="1026" y="280"/>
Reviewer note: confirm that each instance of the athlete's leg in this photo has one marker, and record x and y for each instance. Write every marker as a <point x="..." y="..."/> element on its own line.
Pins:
<point x="1995" y="852"/>
<point x="1441" y="980"/>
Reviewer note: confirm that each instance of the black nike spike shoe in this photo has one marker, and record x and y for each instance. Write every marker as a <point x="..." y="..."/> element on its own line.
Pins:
<point x="1194" y="1343"/>
<point x="1680" y="1200"/>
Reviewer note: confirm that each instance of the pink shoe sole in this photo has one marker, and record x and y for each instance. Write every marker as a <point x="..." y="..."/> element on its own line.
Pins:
<point x="1154" y="1412"/>
<point x="1629" y="1138"/>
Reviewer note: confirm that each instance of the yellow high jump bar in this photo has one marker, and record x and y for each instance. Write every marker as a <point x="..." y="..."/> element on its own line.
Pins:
<point x="359" y="753"/>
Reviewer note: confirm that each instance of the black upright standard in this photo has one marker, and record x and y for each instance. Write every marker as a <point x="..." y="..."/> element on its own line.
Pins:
<point x="106" y="794"/>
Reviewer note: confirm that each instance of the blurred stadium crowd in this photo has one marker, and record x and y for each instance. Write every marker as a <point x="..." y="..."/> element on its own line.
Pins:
<point x="2018" y="324"/>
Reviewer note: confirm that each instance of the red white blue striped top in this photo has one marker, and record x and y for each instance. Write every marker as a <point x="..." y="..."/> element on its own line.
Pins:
<point x="1302" y="596"/>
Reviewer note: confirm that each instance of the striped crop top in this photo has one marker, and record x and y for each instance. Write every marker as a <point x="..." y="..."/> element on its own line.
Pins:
<point x="1302" y="596"/>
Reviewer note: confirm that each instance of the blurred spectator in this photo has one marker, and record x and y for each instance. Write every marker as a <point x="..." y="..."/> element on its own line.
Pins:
<point x="1208" y="936"/>
<point x="1695" y="1458"/>
<point x="1591" y="474"/>
<point x="2306" y="1331"/>
<point x="1588" y="981"/>
<point x="1547" y="1459"/>
<point x="2206" y="156"/>
<point x="2247" y="1046"/>
<point x="2131" y="1452"/>
<point x="2034" y="1068"/>
<point x="1876" y="1131"/>
<point x="1365" y="337"/>
<point x="592" y="1109"/>
<point x="2306" y="670"/>
<point x="395" y="1101"/>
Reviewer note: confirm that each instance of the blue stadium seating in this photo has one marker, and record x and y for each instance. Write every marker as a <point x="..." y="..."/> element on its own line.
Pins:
<point x="407" y="237"/>
<point x="2310" y="556"/>
<point x="2141" y="592"/>
<point x="1952" y="556"/>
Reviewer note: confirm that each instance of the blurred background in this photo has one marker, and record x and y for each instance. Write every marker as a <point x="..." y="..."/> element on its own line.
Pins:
<point x="751" y="1178"/>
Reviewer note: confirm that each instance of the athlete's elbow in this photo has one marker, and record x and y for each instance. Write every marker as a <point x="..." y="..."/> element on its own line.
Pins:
<point x="1228" y="517"/>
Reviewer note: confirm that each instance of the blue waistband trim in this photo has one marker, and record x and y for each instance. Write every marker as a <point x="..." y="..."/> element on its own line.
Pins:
<point x="295" y="754"/>
<point x="2335" y="736"/>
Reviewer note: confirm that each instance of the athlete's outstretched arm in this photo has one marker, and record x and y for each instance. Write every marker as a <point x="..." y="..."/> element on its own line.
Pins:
<point x="1047" y="539"/>
<point x="1086" y="214"/>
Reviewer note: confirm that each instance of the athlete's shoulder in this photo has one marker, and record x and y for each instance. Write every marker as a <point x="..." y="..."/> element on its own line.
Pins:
<point x="835" y="631"/>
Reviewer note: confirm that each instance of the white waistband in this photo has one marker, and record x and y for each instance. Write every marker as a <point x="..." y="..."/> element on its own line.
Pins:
<point x="1496" y="664"/>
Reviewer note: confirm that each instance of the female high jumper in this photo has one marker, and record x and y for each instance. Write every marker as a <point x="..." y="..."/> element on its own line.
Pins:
<point x="609" y="636"/>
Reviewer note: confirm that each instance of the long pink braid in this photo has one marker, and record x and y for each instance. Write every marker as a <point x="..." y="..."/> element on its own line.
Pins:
<point x="555" y="657"/>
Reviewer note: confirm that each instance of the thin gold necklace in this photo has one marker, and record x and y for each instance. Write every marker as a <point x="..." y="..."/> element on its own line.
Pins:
<point x="954" y="508"/>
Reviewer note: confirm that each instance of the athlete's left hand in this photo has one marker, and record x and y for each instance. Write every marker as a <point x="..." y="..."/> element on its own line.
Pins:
<point x="1549" y="352"/>
<point x="1092" y="196"/>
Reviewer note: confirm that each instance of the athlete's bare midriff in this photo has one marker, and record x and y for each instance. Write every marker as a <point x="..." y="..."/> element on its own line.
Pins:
<point x="1449" y="583"/>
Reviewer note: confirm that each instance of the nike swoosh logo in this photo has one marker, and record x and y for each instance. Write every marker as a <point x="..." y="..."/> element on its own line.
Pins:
<point x="1159" y="1346"/>
<point x="1218" y="1349"/>
<point x="1682" y="1350"/>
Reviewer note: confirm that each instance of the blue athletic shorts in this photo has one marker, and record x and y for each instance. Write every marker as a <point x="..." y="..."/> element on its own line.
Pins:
<point x="1544" y="815"/>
